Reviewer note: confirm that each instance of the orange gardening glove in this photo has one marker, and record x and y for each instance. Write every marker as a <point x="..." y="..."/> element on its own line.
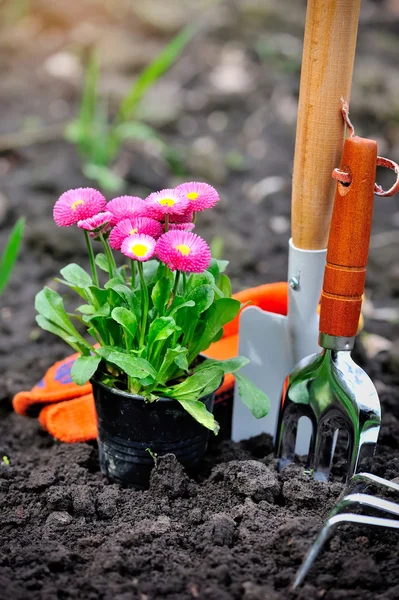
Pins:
<point x="67" y="411"/>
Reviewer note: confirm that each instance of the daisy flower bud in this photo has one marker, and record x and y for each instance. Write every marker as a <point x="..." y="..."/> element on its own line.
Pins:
<point x="125" y="207"/>
<point x="184" y="251"/>
<point x="100" y="223"/>
<point x="200" y="195"/>
<point x="77" y="205"/>
<point x="139" y="247"/>
<point x="166" y="202"/>
<point x="128" y="227"/>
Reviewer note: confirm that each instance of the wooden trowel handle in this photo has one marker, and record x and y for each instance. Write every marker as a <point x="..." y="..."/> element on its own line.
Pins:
<point x="349" y="239"/>
<point x="327" y="66"/>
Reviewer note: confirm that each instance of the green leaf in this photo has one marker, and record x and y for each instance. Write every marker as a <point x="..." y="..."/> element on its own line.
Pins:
<point x="82" y="348"/>
<point x="103" y="312"/>
<point x="203" y="296"/>
<point x="84" y="368"/>
<point x="153" y="72"/>
<point x="217" y="266"/>
<point x="150" y="269"/>
<point x="10" y="252"/>
<point x="256" y="400"/>
<point x="135" y="367"/>
<point x="100" y="296"/>
<point x="218" y="336"/>
<point x="51" y="327"/>
<point x="198" y="385"/>
<point x="181" y="360"/>
<point x="224" y="285"/>
<point x="230" y="365"/>
<point x="128" y="296"/>
<point x="74" y="274"/>
<point x="160" y="329"/>
<point x="111" y="283"/>
<point x="199" y="412"/>
<point x="82" y="292"/>
<point x="197" y="279"/>
<point x="49" y="304"/>
<point x="101" y="262"/>
<point x="86" y="309"/>
<point x="126" y="319"/>
<point x="179" y="303"/>
<point x="173" y="356"/>
<point x="205" y="278"/>
<point x="160" y="295"/>
<point x="219" y="314"/>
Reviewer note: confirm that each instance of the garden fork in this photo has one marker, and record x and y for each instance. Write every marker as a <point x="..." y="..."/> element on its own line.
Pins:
<point x="329" y="388"/>
<point x="351" y="500"/>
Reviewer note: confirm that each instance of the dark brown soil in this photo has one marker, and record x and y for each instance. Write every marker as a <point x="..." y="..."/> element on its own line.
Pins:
<point x="240" y="530"/>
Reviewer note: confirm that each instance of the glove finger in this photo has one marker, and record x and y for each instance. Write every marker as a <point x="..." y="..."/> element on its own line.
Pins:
<point x="72" y="421"/>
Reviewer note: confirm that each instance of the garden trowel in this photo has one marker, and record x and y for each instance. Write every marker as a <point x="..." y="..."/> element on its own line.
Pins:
<point x="275" y="343"/>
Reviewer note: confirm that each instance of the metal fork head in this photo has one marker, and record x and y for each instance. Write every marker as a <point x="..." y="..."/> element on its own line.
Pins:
<point x="335" y="394"/>
<point x="360" y="499"/>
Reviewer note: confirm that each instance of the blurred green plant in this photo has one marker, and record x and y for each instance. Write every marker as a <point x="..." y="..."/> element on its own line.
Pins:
<point x="14" y="11"/>
<point x="99" y="138"/>
<point x="10" y="253"/>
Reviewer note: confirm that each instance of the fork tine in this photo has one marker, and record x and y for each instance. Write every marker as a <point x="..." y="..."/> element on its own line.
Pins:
<point x="327" y="530"/>
<point x="326" y="441"/>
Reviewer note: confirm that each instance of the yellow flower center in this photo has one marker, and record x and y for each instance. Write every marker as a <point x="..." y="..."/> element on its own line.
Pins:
<point x="132" y="231"/>
<point x="75" y="205"/>
<point x="139" y="250"/>
<point x="184" y="249"/>
<point x="192" y="196"/>
<point x="167" y="202"/>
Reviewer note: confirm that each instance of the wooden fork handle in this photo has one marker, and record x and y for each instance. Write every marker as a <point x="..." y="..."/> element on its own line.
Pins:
<point x="349" y="239"/>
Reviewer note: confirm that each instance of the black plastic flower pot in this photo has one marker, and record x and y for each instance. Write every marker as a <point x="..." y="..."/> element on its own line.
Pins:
<point x="128" y="426"/>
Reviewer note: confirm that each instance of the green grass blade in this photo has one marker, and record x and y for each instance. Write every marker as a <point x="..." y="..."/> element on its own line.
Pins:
<point x="153" y="72"/>
<point x="10" y="253"/>
<point x="81" y="130"/>
<point x="89" y="99"/>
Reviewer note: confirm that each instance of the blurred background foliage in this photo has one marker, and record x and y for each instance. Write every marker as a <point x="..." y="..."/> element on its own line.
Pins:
<point x="82" y="102"/>
<point x="136" y="95"/>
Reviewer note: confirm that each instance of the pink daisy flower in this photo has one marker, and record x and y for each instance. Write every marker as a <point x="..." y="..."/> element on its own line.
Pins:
<point x="200" y="195"/>
<point x="181" y="226"/>
<point x="184" y="251"/>
<point x="100" y="223"/>
<point x="77" y="205"/>
<point x="139" y="247"/>
<point x="166" y="202"/>
<point x="128" y="227"/>
<point x="125" y="207"/>
<point x="185" y="218"/>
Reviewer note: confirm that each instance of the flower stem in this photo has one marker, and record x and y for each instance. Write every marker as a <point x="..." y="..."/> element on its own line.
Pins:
<point x="166" y="223"/>
<point x="184" y="283"/>
<point x="146" y="300"/>
<point x="176" y="284"/>
<point x="108" y="256"/>
<point x="194" y="217"/>
<point x="133" y="269"/>
<point x="91" y="258"/>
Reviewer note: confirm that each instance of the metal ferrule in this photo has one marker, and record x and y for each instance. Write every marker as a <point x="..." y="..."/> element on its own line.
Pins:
<point x="334" y="342"/>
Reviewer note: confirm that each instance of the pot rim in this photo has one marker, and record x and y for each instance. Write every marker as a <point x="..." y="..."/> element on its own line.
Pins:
<point x="118" y="392"/>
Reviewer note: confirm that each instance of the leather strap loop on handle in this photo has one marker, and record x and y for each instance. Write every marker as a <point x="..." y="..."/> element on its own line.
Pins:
<point x="349" y="239"/>
<point x="327" y="66"/>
